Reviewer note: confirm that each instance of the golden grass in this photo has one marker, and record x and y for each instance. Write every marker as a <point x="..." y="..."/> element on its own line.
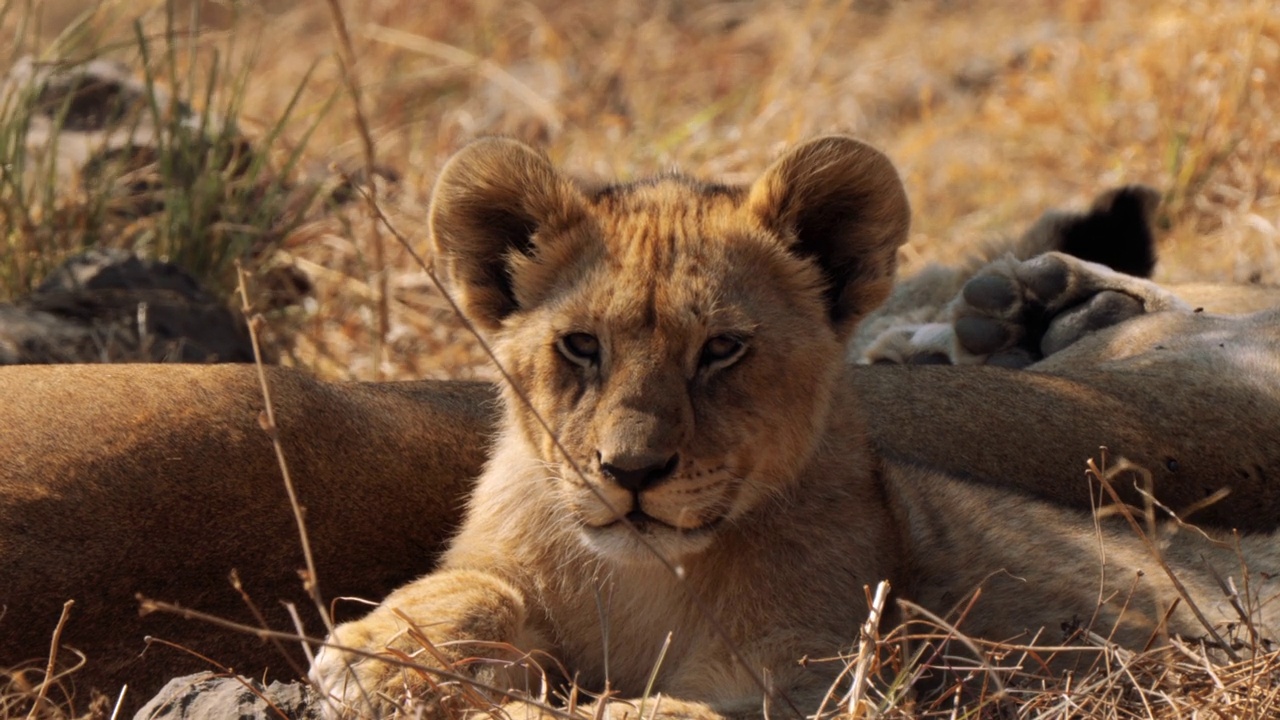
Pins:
<point x="993" y="112"/>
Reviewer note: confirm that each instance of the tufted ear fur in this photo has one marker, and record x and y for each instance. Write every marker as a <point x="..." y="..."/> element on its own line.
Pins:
<point x="839" y="202"/>
<point x="491" y="204"/>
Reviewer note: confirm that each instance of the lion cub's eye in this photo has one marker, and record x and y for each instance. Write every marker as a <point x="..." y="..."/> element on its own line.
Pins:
<point x="580" y="348"/>
<point x="722" y="351"/>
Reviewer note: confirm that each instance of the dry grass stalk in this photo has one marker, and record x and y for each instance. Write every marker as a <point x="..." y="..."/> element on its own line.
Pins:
<point x="310" y="580"/>
<point x="379" y="270"/>
<point x="53" y="660"/>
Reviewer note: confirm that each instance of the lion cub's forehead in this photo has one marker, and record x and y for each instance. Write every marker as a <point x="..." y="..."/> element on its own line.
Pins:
<point x="658" y="224"/>
<point x="672" y="247"/>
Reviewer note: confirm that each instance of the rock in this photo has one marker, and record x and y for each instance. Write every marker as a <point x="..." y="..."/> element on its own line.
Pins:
<point x="205" y="696"/>
<point x="80" y="113"/>
<point x="100" y="126"/>
<point x="95" y="95"/>
<point x="110" y="305"/>
<point x="114" y="269"/>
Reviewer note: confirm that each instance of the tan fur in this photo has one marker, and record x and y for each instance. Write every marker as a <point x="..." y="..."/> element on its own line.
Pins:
<point x="734" y="504"/>
<point x="158" y="480"/>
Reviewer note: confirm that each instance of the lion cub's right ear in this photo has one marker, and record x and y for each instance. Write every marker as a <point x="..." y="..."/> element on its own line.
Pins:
<point x="495" y="206"/>
<point x="841" y="203"/>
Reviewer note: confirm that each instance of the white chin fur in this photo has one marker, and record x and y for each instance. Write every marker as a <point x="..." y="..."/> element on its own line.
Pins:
<point x="621" y="544"/>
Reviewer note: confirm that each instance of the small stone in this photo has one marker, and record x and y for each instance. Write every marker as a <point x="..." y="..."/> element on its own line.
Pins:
<point x="206" y="696"/>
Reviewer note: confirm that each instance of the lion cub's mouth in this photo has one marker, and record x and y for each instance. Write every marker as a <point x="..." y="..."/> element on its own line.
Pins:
<point x="647" y="524"/>
<point x="677" y="519"/>
<point x="637" y="535"/>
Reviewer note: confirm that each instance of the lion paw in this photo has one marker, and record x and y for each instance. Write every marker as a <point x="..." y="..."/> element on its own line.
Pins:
<point x="353" y="678"/>
<point x="433" y="646"/>
<point x="1014" y="313"/>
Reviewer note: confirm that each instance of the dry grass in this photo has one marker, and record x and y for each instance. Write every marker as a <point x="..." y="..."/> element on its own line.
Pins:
<point x="1171" y="678"/>
<point x="170" y="181"/>
<point x="1175" y="682"/>
<point x="993" y="112"/>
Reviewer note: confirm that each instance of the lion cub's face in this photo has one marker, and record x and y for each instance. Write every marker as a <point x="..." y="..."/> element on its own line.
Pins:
<point x="679" y="340"/>
<point x="667" y="359"/>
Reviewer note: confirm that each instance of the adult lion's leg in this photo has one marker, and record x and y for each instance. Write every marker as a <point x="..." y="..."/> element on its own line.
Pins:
<point x="1015" y="313"/>
<point x="915" y="325"/>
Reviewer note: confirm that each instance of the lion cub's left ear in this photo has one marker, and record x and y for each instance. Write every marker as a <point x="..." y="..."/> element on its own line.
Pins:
<point x="502" y="220"/>
<point x="839" y="202"/>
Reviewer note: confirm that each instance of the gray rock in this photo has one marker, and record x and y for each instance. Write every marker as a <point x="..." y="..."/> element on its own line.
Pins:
<point x="205" y="696"/>
<point x="79" y="113"/>
<point x="100" y="126"/>
<point x="115" y="269"/>
<point x="113" y="306"/>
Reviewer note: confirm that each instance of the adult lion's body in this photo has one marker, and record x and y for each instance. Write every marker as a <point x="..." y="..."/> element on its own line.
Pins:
<point x="158" y="480"/>
<point x="684" y="462"/>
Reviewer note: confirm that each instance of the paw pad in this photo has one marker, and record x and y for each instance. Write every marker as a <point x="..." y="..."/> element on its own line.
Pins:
<point x="1046" y="279"/>
<point x="981" y="335"/>
<point x="990" y="292"/>
<point x="1015" y="313"/>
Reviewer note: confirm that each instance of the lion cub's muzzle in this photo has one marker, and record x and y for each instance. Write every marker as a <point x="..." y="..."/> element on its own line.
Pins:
<point x="636" y="479"/>
<point x="662" y="496"/>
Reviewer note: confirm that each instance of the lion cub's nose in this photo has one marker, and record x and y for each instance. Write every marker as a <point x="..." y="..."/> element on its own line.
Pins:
<point x="638" y="473"/>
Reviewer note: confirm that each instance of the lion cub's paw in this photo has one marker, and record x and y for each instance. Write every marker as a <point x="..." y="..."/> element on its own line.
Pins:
<point x="431" y="647"/>
<point x="1014" y="313"/>
<point x="354" y="682"/>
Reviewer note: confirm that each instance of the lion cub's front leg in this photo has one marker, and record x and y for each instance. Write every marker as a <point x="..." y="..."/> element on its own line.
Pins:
<point x="463" y="621"/>
<point x="659" y="707"/>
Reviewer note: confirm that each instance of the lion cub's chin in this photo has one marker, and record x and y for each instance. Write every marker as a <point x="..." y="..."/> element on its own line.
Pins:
<point x="647" y="541"/>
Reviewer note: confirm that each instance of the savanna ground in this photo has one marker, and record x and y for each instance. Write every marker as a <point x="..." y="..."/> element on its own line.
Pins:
<point x="993" y="111"/>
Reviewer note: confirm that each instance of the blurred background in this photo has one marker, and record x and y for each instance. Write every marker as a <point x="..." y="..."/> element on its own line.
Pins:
<point x="993" y="111"/>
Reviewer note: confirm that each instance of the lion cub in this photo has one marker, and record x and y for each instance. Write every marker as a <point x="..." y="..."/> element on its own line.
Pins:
<point x="682" y="499"/>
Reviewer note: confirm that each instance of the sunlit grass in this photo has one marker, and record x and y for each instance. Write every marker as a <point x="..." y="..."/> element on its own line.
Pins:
<point x="993" y="113"/>
<point x="170" y="180"/>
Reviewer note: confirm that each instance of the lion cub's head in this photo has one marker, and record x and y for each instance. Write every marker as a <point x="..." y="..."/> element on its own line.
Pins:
<point x="680" y="339"/>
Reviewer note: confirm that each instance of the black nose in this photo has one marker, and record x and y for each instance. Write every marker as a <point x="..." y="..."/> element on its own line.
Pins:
<point x="641" y="477"/>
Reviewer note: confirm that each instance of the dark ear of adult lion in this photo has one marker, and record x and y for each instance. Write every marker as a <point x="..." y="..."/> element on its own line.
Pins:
<point x="158" y="480"/>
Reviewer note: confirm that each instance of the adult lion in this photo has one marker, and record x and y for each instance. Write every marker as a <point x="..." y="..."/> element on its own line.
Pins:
<point x="682" y="499"/>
